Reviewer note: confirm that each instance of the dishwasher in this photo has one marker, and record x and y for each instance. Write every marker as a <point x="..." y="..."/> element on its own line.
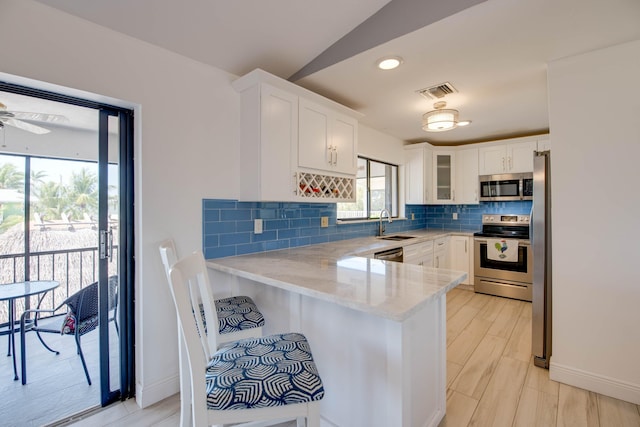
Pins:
<point x="395" y="254"/>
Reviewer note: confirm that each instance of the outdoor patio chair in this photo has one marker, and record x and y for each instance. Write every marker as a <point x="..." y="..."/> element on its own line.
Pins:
<point x="247" y="381"/>
<point x="81" y="318"/>
<point x="37" y="220"/>
<point x="67" y="221"/>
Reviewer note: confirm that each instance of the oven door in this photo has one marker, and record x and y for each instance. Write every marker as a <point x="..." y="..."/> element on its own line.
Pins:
<point x="518" y="271"/>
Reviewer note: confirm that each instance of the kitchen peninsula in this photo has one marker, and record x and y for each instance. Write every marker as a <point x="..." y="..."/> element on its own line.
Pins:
<point x="377" y="328"/>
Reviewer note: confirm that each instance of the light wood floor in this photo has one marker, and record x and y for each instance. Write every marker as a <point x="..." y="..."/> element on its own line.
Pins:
<point x="490" y="376"/>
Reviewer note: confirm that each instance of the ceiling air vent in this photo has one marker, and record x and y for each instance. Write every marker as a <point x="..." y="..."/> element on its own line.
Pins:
<point x="438" y="91"/>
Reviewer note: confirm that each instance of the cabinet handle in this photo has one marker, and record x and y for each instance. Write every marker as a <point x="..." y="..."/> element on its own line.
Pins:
<point x="330" y="154"/>
<point x="510" y="162"/>
<point x="453" y="195"/>
<point x="465" y="246"/>
<point x="437" y="262"/>
<point x="335" y="150"/>
<point x="503" y="165"/>
<point x="475" y="195"/>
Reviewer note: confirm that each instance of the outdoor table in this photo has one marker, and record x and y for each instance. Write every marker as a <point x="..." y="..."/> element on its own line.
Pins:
<point x="12" y="291"/>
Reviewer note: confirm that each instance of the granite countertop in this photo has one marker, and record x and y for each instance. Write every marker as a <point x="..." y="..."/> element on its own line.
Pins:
<point x="344" y="273"/>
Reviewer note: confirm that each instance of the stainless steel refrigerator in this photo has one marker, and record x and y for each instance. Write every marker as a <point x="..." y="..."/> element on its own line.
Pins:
<point x="541" y="243"/>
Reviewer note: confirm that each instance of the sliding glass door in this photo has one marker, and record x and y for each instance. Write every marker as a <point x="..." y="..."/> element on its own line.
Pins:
<point x="77" y="224"/>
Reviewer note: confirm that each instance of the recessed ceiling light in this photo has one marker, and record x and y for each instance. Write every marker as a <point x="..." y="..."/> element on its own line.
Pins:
<point x="389" y="62"/>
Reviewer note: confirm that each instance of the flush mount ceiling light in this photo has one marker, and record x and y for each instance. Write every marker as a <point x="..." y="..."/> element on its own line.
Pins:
<point x="441" y="119"/>
<point x="389" y="62"/>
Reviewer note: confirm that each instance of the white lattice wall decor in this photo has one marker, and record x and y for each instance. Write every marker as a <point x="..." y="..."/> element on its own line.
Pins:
<point x="315" y="186"/>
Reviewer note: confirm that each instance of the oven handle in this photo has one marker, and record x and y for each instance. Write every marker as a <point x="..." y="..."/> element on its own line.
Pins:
<point x="520" y="242"/>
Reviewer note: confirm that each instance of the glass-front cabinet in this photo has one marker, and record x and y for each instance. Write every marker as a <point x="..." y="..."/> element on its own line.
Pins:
<point x="443" y="170"/>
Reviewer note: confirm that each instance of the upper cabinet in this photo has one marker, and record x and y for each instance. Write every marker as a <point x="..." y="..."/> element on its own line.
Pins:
<point x="511" y="157"/>
<point x="444" y="176"/>
<point x="418" y="177"/>
<point x="544" y="144"/>
<point x="295" y="145"/>
<point x="327" y="139"/>
<point x="435" y="176"/>
<point x="466" y="177"/>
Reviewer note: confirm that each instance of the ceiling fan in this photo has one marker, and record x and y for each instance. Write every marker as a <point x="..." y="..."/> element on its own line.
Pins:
<point x="16" y="119"/>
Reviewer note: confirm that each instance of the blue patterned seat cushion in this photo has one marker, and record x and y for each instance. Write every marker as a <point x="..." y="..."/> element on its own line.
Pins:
<point x="235" y="314"/>
<point x="263" y="372"/>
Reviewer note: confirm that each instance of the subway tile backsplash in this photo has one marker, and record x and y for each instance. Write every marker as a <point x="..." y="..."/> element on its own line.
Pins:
<point x="228" y="224"/>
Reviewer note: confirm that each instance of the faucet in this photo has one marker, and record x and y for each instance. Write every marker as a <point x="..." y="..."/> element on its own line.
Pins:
<point x="381" y="228"/>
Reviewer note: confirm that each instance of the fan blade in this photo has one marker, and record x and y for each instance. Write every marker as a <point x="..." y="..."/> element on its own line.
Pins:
<point x="40" y="117"/>
<point x="25" y="126"/>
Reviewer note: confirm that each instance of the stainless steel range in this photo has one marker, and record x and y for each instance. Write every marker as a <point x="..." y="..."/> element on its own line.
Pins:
<point x="503" y="257"/>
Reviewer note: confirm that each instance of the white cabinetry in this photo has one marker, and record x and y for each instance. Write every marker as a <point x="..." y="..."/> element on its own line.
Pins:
<point x="291" y="153"/>
<point x="441" y="252"/>
<point x="461" y="251"/>
<point x="544" y="144"/>
<point x="419" y="254"/>
<point x="514" y="157"/>
<point x="327" y="139"/>
<point x="269" y="118"/>
<point x="434" y="176"/>
<point x="418" y="177"/>
<point x="466" y="182"/>
<point x="444" y="176"/>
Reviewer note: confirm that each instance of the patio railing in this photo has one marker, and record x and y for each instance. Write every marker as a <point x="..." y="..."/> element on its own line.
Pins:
<point x="72" y="268"/>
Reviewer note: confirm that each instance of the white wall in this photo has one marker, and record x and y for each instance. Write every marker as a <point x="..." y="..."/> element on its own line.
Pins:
<point x="186" y="138"/>
<point x="595" y="128"/>
<point x="186" y="131"/>
<point x="380" y="146"/>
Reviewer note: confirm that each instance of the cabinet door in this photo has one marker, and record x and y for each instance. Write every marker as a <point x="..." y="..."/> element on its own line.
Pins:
<point x="441" y="252"/>
<point x="520" y="157"/>
<point x="277" y="128"/>
<point x="460" y="259"/>
<point x="418" y="181"/>
<point x="327" y="140"/>
<point x="313" y="136"/>
<point x="412" y="254"/>
<point x="466" y="177"/>
<point x="443" y="176"/>
<point x="492" y="160"/>
<point x="426" y="254"/>
<point x="343" y="148"/>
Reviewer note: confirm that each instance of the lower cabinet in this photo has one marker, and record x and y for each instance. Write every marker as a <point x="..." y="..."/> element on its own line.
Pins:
<point x="441" y="252"/>
<point x="461" y="254"/>
<point x="419" y="254"/>
<point x="452" y="252"/>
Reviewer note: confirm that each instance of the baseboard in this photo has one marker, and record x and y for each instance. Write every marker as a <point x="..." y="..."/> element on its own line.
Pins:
<point x="597" y="383"/>
<point x="149" y="394"/>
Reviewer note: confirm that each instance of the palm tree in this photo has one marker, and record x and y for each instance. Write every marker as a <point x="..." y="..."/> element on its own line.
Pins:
<point x="11" y="177"/>
<point x="52" y="199"/>
<point x="84" y="192"/>
<point x="37" y="177"/>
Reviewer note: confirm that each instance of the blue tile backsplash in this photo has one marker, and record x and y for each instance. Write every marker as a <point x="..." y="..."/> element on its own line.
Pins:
<point x="228" y="224"/>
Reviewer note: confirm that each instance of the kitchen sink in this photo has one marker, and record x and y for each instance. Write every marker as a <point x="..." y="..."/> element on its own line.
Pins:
<point x="396" y="238"/>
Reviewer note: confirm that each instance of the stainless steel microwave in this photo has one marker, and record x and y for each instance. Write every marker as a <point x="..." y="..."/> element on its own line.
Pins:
<point x="505" y="187"/>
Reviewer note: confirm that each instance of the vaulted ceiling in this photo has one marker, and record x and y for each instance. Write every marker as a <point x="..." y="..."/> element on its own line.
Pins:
<point x="494" y="52"/>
